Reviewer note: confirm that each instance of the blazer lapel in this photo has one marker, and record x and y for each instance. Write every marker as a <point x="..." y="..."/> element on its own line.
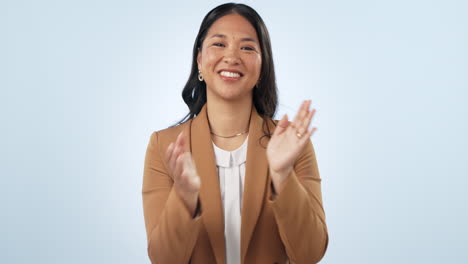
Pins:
<point x="210" y="194"/>
<point x="256" y="179"/>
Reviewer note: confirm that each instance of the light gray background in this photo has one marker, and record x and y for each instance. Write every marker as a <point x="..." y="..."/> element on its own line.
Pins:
<point x="84" y="83"/>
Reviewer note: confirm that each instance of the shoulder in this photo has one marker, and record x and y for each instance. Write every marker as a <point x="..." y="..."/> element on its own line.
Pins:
<point x="162" y="138"/>
<point x="171" y="133"/>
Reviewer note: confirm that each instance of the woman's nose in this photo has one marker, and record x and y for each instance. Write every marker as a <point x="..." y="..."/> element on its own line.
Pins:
<point x="231" y="56"/>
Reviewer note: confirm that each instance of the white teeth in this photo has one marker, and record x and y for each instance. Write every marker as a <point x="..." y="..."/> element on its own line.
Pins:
<point x="230" y="74"/>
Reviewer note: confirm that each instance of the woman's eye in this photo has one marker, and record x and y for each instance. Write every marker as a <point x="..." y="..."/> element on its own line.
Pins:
<point x="247" y="48"/>
<point x="218" y="44"/>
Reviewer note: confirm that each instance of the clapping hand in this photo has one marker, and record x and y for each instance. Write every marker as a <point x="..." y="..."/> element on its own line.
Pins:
<point x="287" y="141"/>
<point x="182" y="169"/>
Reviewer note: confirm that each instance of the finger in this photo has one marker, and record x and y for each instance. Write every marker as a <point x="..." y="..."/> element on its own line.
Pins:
<point x="181" y="138"/>
<point x="191" y="162"/>
<point x="174" y="156"/>
<point x="188" y="167"/>
<point x="301" y="113"/>
<point x="177" y="151"/>
<point x="179" y="167"/>
<point x="195" y="180"/>
<point x="282" y="125"/>
<point x="311" y="132"/>
<point x="168" y="155"/>
<point x="296" y="117"/>
<point x="173" y="152"/>
<point x="187" y="174"/>
<point x="306" y="122"/>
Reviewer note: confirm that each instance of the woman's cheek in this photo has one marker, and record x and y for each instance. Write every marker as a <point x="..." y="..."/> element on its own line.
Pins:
<point x="211" y="59"/>
<point x="256" y="64"/>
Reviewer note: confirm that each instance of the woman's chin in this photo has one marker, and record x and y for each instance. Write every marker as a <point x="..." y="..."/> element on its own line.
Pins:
<point x="232" y="94"/>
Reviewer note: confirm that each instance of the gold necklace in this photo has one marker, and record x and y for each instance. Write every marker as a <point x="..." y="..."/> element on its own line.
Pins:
<point x="236" y="135"/>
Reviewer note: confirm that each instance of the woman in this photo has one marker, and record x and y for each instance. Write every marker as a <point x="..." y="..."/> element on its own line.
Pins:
<point x="219" y="187"/>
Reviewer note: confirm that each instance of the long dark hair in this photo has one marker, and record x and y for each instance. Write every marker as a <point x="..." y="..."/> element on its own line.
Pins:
<point x="265" y="95"/>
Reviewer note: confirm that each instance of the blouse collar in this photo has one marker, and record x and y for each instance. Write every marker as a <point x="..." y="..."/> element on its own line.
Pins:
<point x="233" y="158"/>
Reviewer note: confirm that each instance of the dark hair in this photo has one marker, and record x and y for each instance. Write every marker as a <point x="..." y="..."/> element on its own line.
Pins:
<point x="265" y="97"/>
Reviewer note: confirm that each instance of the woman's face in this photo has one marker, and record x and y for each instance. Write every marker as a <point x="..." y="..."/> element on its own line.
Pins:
<point x="230" y="58"/>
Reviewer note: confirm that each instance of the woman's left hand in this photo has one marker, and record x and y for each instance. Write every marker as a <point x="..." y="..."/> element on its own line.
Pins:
<point x="287" y="142"/>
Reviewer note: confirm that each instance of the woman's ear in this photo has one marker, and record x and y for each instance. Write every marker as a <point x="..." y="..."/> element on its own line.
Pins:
<point x="199" y="58"/>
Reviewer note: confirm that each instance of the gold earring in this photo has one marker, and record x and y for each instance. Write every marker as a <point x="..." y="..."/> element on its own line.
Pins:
<point x="200" y="77"/>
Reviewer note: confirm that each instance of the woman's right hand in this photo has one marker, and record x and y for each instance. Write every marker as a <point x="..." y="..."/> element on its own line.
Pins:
<point x="182" y="168"/>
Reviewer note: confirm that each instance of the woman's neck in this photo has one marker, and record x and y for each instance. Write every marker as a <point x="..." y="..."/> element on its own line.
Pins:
<point x="229" y="118"/>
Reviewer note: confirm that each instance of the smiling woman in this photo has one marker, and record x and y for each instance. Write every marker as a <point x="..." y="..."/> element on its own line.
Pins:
<point x="230" y="59"/>
<point x="228" y="184"/>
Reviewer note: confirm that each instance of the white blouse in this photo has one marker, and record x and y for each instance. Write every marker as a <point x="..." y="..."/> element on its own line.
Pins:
<point x="231" y="173"/>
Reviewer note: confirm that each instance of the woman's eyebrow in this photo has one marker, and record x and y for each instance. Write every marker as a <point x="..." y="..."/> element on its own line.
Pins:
<point x="224" y="36"/>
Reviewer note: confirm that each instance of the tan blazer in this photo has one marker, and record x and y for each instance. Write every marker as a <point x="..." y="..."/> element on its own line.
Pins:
<point x="290" y="228"/>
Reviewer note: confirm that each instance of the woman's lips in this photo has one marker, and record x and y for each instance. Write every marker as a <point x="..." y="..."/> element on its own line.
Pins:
<point x="230" y="76"/>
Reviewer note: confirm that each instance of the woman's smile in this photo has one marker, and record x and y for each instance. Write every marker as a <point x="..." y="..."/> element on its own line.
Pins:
<point x="230" y="75"/>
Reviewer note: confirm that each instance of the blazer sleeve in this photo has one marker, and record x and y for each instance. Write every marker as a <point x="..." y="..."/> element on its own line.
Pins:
<point x="299" y="212"/>
<point x="171" y="230"/>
